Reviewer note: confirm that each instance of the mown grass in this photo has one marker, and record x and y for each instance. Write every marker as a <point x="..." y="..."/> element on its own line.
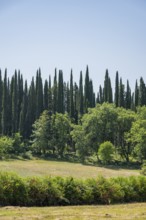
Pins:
<point x="64" y="169"/>
<point x="120" y="212"/>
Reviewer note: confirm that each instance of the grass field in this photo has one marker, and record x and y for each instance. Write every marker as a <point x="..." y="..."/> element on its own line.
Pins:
<point x="135" y="211"/>
<point x="64" y="169"/>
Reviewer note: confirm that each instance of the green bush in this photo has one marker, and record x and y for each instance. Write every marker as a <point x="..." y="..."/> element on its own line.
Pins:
<point x="106" y="151"/>
<point x="47" y="191"/>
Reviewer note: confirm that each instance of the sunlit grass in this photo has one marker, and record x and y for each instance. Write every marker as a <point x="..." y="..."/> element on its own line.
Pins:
<point x="127" y="211"/>
<point x="64" y="169"/>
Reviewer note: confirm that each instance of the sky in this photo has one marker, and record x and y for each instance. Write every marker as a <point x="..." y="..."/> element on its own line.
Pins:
<point x="65" y="34"/>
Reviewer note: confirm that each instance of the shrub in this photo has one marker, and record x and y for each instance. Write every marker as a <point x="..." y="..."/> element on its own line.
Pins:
<point x="106" y="151"/>
<point x="47" y="191"/>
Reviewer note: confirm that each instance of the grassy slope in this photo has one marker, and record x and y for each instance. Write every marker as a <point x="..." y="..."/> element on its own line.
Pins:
<point x="119" y="212"/>
<point x="56" y="168"/>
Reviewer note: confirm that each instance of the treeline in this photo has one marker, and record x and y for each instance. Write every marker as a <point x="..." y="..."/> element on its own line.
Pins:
<point x="22" y="104"/>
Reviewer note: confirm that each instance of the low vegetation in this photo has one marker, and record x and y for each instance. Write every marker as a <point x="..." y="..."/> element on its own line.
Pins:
<point x="54" y="191"/>
<point x="101" y="212"/>
<point x="42" y="168"/>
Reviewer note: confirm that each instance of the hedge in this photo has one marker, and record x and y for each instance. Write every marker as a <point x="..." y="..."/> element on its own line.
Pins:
<point x="54" y="191"/>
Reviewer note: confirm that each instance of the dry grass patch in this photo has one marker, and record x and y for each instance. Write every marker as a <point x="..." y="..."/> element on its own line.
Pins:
<point x="64" y="169"/>
<point x="135" y="211"/>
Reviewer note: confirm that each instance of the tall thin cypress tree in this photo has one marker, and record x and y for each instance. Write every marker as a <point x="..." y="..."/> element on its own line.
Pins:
<point x="117" y="89"/>
<point x="72" y="108"/>
<point x="22" y="121"/>
<point x="39" y="94"/>
<point x="45" y="99"/>
<point x="60" y="93"/>
<point x="14" y="103"/>
<point x="128" y="97"/>
<point x="4" y="105"/>
<point x="50" y="96"/>
<point x="55" y="93"/>
<point x="81" y="98"/>
<point x="136" y="97"/>
<point x="86" y="90"/>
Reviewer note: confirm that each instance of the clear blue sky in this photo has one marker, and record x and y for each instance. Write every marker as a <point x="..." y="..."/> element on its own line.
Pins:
<point x="71" y="34"/>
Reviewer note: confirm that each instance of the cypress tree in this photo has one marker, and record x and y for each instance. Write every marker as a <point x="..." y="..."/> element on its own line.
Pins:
<point x="4" y="105"/>
<point x="55" y="92"/>
<point x="23" y="122"/>
<point x="136" y="94"/>
<point x="87" y="90"/>
<point x="121" y="94"/>
<point x="128" y="97"/>
<point x="50" y="96"/>
<point x="39" y="94"/>
<point x="76" y="102"/>
<point x="20" y="95"/>
<point x="107" y="94"/>
<point x="142" y="93"/>
<point x="72" y="108"/>
<point x="67" y="98"/>
<point x="117" y="89"/>
<point x="101" y="95"/>
<point x="106" y="81"/>
<point x="81" y="98"/>
<point x="60" y="93"/>
<point x="31" y="108"/>
<point x="110" y="93"/>
<point x="46" y="97"/>
<point x="14" y="86"/>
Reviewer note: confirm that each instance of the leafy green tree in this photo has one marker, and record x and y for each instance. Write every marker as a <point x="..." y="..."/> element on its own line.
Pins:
<point x="124" y="123"/>
<point x="42" y="134"/>
<point x="18" y="145"/>
<point x="61" y="132"/>
<point x="106" y="151"/>
<point x="97" y="126"/>
<point x="137" y="136"/>
<point x="6" y="146"/>
<point x="81" y="144"/>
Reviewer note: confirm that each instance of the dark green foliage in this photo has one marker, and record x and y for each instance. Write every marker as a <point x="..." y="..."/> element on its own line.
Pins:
<point x="60" y="107"/>
<point x="39" y="94"/>
<point x="121" y="94"/>
<point x="47" y="191"/>
<point x="50" y="107"/>
<point x="55" y="92"/>
<point x="71" y="96"/>
<point x="107" y="91"/>
<point x="81" y="98"/>
<point x="117" y="89"/>
<point x="46" y="97"/>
